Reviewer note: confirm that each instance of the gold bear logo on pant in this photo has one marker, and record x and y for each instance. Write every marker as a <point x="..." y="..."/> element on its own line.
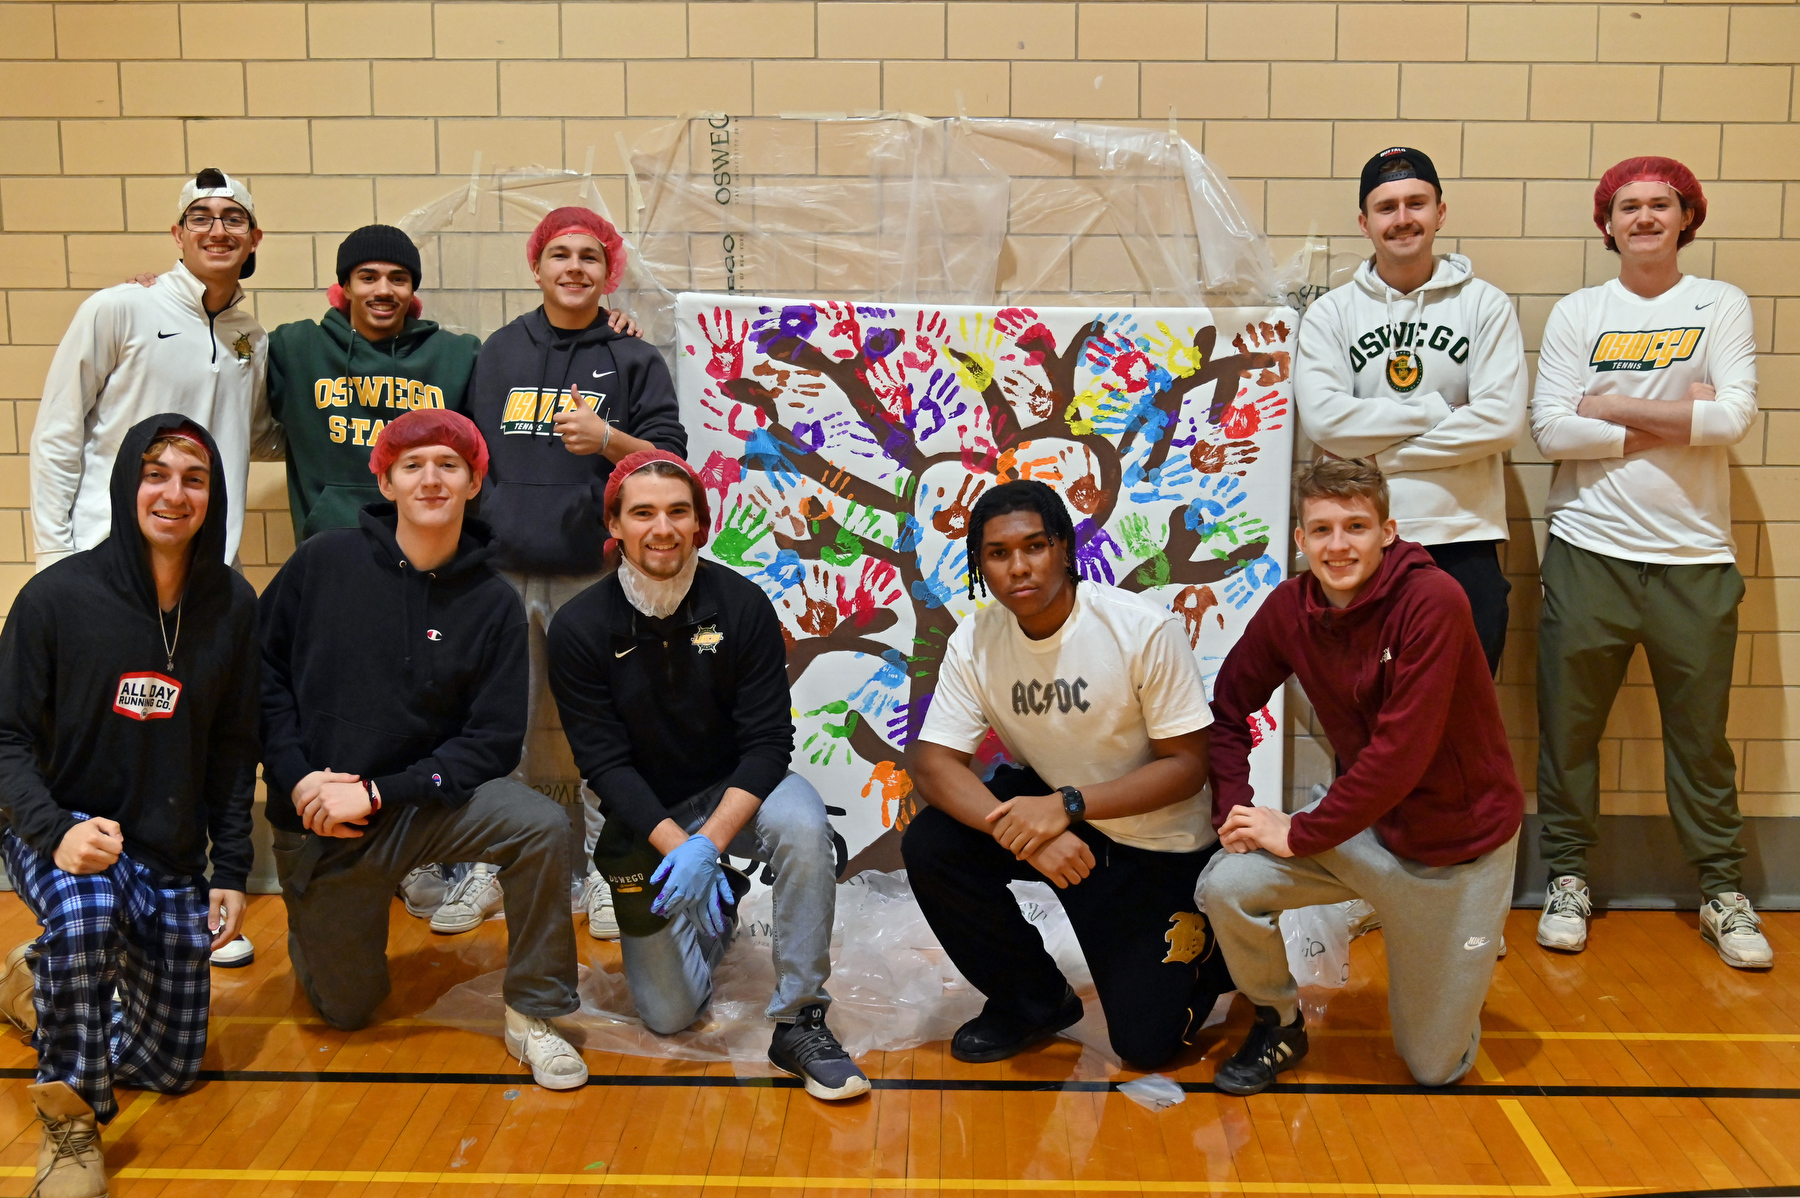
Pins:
<point x="1190" y="938"/>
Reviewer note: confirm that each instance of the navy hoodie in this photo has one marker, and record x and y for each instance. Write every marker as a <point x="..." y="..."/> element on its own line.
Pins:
<point x="543" y="502"/>
<point x="93" y="719"/>
<point x="414" y="679"/>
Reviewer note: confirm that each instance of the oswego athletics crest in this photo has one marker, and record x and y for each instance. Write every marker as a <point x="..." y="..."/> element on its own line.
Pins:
<point x="147" y="696"/>
<point x="1404" y="370"/>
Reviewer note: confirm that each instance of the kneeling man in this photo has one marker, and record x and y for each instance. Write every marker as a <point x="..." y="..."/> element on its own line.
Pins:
<point x="393" y="709"/>
<point x="671" y="676"/>
<point x="1424" y="817"/>
<point x="1097" y="693"/>
<point x="127" y="741"/>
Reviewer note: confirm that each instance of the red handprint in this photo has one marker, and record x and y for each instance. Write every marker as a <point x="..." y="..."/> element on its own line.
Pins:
<point x="1242" y="420"/>
<point x="726" y="336"/>
<point x="876" y="589"/>
<point x="929" y="332"/>
<point x="720" y="474"/>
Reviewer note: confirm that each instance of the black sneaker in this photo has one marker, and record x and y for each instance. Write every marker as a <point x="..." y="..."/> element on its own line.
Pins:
<point x="995" y="1035"/>
<point x="808" y="1050"/>
<point x="1267" y="1050"/>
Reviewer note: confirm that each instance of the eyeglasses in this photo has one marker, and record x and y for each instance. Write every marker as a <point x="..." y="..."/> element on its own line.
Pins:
<point x="199" y="220"/>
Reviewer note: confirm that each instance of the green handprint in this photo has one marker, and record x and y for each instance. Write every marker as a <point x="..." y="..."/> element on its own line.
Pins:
<point x="1241" y="528"/>
<point x="746" y="526"/>
<point x="844" y="551"/>
<point x="1141" y="541"/>
<point x="838" y="734"/>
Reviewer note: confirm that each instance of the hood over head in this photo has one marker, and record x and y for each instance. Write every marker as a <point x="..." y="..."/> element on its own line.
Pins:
<point x="125" y="547"/>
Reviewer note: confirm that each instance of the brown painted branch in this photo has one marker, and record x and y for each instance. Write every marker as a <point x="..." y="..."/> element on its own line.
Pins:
<point x="845" y="638"/>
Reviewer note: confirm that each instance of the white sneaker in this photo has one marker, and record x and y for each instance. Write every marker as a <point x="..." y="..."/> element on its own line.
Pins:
<point x="597" y="901"/>
<point x="1730" y="925"/>
<point x="423" y="890"/>
<point x="554" y="1064"/>
<point x="470" y="901"/>
<point x="1567" y="906"/>
<point x="236" y="955"/>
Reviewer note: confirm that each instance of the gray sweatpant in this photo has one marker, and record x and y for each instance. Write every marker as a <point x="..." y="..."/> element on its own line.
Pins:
<point x="338" y="893"/>
<point x="1441" y="924"/>
<point x="546" y="763"/>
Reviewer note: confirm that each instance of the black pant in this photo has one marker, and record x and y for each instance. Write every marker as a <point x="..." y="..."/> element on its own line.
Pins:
<point x="1476" y="567"/>
<point x="1154" y="960"/>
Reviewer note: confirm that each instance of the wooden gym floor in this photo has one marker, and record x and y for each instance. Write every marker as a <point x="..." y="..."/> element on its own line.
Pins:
<point x="1643" y="1066"/>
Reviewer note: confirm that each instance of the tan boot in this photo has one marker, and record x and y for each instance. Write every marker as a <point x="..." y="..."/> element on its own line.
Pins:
<point x="69" y="1164"/>
<point x="17" y="984"/>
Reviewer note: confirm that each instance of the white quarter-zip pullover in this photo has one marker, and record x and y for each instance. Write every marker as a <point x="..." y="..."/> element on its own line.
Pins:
<point x="131" y="352"/>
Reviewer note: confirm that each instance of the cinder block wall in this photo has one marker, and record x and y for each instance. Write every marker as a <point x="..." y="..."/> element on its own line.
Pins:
<point x="342" y="113"/>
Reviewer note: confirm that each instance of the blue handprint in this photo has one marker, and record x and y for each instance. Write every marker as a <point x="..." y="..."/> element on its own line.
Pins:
<point x="1242" y="586"/>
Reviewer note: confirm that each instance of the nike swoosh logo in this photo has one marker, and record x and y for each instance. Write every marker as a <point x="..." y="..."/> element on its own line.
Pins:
<point x="626" y="651"/>
<point x="165" y="336"/>
<point x="1709" y="304"/>
<point x="600" y="374"/>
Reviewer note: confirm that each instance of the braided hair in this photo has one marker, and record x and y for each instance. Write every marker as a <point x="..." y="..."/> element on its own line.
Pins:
<point x="1027" y="495"/>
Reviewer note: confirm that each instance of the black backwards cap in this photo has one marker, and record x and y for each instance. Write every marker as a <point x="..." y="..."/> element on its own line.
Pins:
<point x="1396" y="162"/>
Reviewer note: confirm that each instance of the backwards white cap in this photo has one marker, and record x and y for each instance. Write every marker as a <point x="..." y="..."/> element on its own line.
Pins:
<point x="213" y="182"/>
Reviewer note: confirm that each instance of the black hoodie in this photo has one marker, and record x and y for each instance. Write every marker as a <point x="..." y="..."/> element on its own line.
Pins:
<point x="92" y="719"/>
<point x="416" y="680"/>
<point x="543" y="502"/>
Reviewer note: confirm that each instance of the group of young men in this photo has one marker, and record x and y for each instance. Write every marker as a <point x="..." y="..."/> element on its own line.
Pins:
<point x="418" y="681"/>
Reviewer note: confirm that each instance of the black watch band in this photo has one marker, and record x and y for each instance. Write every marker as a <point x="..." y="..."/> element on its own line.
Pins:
<point x="1073" y="804"/>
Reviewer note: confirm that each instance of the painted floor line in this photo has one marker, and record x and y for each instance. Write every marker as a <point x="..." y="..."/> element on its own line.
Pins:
<point x="597" y="1180"/>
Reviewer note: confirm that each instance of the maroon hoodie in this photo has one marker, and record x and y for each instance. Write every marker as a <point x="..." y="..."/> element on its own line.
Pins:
<point x="1401" y="687"/>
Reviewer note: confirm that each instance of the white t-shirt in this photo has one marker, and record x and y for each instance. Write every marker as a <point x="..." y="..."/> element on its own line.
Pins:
<point x="1081" y="706"/>
<point x="1670" y="505"/>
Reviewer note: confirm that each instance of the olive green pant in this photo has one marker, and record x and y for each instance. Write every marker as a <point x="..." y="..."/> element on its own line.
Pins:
<point x="1597" y="609"/>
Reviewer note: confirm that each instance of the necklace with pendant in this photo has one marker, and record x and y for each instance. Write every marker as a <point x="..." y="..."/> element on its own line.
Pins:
<point x="163" y="627"/>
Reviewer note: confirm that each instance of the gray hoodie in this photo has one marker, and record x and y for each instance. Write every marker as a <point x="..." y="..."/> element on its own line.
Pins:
<point x="1431" y="385"/>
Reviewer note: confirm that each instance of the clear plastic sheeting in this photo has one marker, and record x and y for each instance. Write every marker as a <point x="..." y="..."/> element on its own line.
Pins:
<point x="892" y="988"/>
<point x="472" y="244"/>
<point x="901" y="209"/>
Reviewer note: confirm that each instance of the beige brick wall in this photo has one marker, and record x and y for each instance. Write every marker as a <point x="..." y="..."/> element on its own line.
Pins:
<point x="339" y="113"/>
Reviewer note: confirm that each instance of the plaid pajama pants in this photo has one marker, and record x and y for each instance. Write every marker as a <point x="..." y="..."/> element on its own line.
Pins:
<point x="123" y="976"/>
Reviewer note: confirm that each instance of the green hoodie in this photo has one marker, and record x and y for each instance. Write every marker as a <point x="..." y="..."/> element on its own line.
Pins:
<point x="333" y="390"/>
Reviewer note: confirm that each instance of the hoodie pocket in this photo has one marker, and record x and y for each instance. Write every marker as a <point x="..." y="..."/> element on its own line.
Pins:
<point x="337" y="506"/>
<point x="360" y="749"/>
<point x="546" y="528"/>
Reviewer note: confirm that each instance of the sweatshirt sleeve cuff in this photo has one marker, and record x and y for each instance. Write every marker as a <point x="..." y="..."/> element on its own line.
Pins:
<point x="1301" y="840"/>
<point x="232" y="881"/>
<point x="403" y="788"/>
<point x="758" y="776"/>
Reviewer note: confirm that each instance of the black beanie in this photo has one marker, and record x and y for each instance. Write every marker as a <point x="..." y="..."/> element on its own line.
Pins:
<point x="379" y="243"/>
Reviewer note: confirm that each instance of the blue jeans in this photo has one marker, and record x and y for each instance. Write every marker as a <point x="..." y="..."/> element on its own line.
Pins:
<point x="670" y="973"/>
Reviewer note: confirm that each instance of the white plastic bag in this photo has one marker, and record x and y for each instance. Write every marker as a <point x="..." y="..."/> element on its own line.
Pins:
<point x="1154" y="1092"/>
<point x="1318" y="945"/>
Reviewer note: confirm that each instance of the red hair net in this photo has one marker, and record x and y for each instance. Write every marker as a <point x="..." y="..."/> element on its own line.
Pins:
<point x="430" y="426"/>
<point x="630" y="464"/>
<point x="581" y="220"/>
<point x="1650" y="170"/>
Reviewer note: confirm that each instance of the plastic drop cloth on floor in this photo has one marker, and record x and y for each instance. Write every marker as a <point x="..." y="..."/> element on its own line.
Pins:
<point x="892" y="987"/>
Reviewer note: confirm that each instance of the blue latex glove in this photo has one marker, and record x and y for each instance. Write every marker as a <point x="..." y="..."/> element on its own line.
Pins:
<point x="693" y="884"/>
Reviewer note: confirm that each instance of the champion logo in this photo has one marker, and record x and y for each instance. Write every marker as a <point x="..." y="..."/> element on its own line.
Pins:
<point x="1387" y="655"/>
<point x="147" y="696"/>
<point x="437" y="779"/>
<point x="432" y="634"/>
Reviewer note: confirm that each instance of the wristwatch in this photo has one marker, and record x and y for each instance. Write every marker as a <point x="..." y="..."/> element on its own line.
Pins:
<point x="1073" y="804"/>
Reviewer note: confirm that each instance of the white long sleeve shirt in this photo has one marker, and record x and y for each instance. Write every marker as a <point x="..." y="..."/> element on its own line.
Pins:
<point x="1670" y="505"/>
<point x="131" y="352"/>
<point x="1431" y="384"/>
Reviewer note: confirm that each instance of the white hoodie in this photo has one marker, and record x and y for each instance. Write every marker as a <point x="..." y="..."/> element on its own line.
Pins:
<point x="131" y="352"/>
<point x="1438" y="424"/>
